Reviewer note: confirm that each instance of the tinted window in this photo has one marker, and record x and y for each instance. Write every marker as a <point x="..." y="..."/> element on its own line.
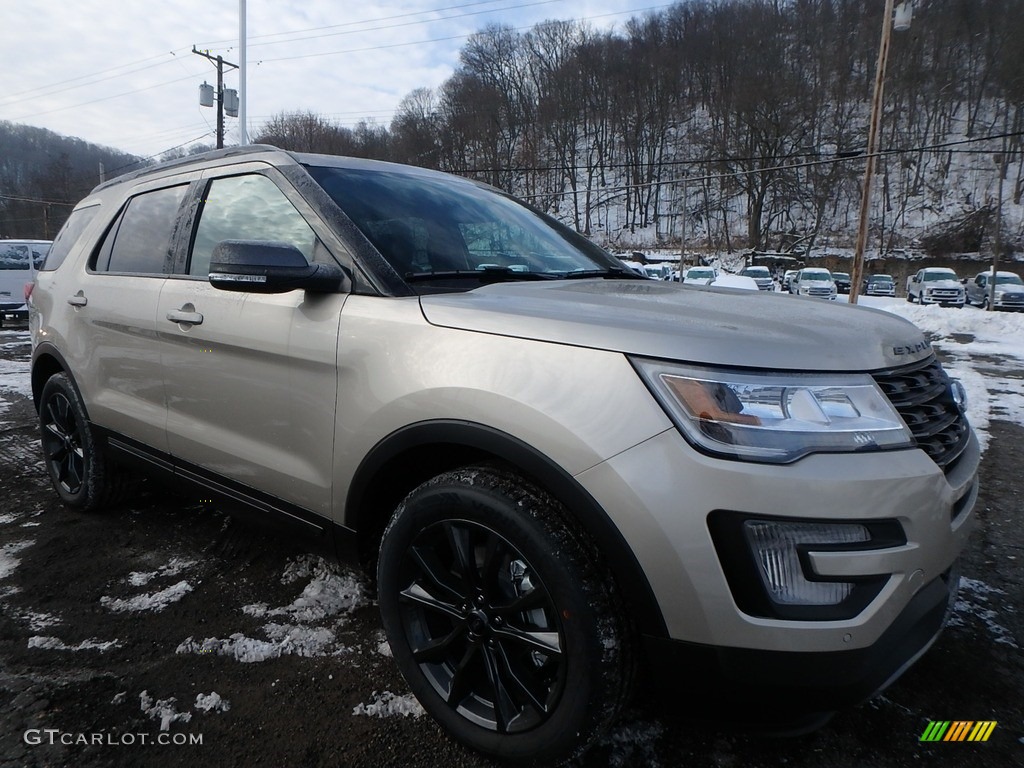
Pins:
<point x="68" y="236"/>
<point x="140" y="242"/>
<point x="247" y="208"/>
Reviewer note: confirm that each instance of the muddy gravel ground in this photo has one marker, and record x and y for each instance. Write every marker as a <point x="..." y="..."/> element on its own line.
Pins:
<point x="169" y="621"/>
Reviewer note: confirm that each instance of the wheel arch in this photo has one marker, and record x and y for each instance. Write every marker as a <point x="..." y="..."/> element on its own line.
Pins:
<point x="411" y="455"/>
<point x="47" y="361"/>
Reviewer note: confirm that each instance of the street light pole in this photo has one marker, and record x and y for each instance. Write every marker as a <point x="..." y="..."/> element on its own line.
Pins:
<point x="857" y="273"/>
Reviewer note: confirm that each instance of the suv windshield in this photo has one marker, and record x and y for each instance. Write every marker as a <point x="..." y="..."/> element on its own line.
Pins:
<point x="447" y="234"/>
<point x="816" y="276"/>
<point x="880" y="279"/>
<point x="943" y="274"/>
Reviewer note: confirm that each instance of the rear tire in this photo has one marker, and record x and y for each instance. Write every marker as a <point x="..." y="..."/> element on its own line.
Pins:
<point x="501" y="618"/>
<point x="78" y="468"/>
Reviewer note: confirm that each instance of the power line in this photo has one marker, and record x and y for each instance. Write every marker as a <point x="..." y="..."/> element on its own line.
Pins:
<point x="106" y="98"/>
<point x="448" y="39"/>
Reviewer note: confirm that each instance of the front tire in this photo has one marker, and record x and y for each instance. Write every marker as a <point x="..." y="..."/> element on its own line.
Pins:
<point x="500" y="617"/>
<point x="78" y="469"/>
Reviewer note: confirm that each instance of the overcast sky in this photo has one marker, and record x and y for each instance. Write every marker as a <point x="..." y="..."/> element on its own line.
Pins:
<point x="121" y="72"/>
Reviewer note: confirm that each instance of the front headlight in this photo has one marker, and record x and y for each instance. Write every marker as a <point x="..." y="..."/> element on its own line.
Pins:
<point x="775" y="417"/>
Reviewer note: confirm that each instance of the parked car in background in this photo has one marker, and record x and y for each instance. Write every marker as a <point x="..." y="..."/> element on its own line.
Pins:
<point x="787" y="277"/>
<point x="19" y="261"/>
<point x="879" y="285"/>
<point x="762" y="276"/>
<point x="729" y="280"/>
<point x="700" y="275"/>
<point x="936" y="285"/>
<point x="1009" y="291"/>
<point x="813" y="281"/>
<point x="842" y="281"/>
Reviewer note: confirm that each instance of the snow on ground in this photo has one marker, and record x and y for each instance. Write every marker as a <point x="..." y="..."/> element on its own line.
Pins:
<point x="162" y="710"/>
<point x="8" y="561"/>
<point x="388" y="704"/>
<point x="306" y="627"/>
<point x="150" y="601"/>
<point x="211" y="702"/>
<point x="973" y="602"/>
<point x="173" y="568"/>
<point x="56" y="644"/>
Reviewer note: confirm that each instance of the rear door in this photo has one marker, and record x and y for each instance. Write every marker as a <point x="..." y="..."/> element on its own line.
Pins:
<point x="251" y="379"/>
<point x="111" y="332"/>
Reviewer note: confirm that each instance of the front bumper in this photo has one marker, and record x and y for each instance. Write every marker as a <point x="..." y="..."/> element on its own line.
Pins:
<point x="661" y="493"/>
<point x="784" y="687"/>
<point x="946" y="301"/>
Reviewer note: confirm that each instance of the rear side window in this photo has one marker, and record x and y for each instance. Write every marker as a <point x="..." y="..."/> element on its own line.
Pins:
<point x="141" y="240"/>
<point x="68" y="236"/>
<point x="247" y="208"/>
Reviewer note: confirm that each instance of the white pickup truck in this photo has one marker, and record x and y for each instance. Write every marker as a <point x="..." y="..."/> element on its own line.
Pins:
<point x="936" y="285"/>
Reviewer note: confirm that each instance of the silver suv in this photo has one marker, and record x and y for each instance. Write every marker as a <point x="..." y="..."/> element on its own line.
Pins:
<point x="560" y="473"/>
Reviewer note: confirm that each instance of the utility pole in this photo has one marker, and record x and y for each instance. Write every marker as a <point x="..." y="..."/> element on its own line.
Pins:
<point x="230" y="95"/>
<point x="902" y="23"/>
<point x="997" y="250"/>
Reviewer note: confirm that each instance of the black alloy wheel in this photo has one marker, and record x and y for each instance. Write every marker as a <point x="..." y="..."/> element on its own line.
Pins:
<point x="502" y="617"/>
<point x="75" y="461"/>
<point x="62" y="444"/>
<point x="482" y="627"/>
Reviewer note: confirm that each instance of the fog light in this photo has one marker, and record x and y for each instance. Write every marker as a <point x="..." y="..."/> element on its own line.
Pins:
<point x="777" y="547"/>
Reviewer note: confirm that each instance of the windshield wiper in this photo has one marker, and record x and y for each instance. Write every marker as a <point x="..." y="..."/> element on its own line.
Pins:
<point x="610" y="273"/>
<point x="485" y="275"/>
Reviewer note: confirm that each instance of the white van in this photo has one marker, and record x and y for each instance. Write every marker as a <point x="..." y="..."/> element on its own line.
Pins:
<point x="19" y="261"/>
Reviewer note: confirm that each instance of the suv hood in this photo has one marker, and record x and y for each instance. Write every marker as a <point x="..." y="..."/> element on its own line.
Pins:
<point x="941" y="284"/>
<point x="687" y="323"/>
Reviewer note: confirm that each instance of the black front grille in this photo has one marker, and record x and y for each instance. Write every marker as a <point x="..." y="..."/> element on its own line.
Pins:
<point x="921" y="394"/>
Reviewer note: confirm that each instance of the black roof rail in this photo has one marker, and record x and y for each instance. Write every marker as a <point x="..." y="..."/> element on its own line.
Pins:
<point x="216" y="154"/>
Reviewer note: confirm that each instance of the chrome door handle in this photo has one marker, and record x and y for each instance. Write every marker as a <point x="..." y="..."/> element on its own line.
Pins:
<point x="186" y="318"/>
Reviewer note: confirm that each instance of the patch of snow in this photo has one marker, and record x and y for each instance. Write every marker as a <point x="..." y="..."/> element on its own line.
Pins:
<point x="303" y="641"/>
<point x="973" y="601"/>
<point x="244" y="649"/>
<point x="153" y="601"/>
<point x="383" y="646"/>
<point x="211" y="702"/>
<point x="56" y="644"/>
<point x="8" y="561"/>
<point x="329" y="593"/>
<point x="388" y="704"/>
<point x="8" y="518"/>
<point x="173" y="568"/>
<point x="15" y="376"/>
<point x="119" y="698"/>
<point x="162" y="710"/>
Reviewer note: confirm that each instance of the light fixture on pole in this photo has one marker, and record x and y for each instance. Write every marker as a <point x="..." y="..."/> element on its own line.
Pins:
<point x="226" y="98"/>
<point x="901" y="23"/>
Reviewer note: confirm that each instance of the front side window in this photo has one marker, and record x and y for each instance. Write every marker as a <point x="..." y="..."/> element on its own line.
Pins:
<point x="141" y="241"/>
<point x="247" y="208"/>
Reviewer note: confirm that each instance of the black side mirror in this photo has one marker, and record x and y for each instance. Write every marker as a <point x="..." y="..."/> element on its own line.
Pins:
<point x="256" y="266"/>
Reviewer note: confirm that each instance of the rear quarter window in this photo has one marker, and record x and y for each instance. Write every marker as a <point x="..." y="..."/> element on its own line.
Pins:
<point x="68" y="236"/>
